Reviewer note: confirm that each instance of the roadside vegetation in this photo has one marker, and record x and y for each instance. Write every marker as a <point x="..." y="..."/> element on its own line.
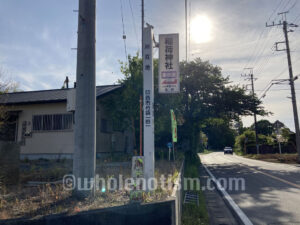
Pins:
<point x="205" y="109"/>
<point x="194" y="214"/>
<point x="271" y="138"/>
<point x="41" y="193"/>
<point x="276" y="158"/>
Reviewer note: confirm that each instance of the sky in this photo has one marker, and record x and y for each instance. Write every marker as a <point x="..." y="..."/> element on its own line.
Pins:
<point x="37" y="41"/>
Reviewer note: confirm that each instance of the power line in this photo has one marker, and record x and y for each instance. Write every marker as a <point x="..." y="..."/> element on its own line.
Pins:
<point x="254" y="50"/>
<point x="134" y="25"/>
<point x="284" y="8"/>
<point x="265" y="62"/>
<point x="257" y="54"/>
<point x="124" y="35"/>
<point x="287" y="89"/>
<point x="262" y="32"/>
<point x="275" y="10"/>
<point x="296" y="19"/>
<point x="224" y="47"/>
<point x="263" y="49"/>
<point x="279" y="75"/>
<point x="295" y="3"/>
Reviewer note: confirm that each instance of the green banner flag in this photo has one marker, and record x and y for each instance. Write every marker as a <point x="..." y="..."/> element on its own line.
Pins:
<point x="174" y="126"/>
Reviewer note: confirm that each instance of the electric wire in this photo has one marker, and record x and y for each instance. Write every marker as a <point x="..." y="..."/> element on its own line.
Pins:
<point x="267" y="60"/>
<point x="293" y="6"/>
<point x="261" y="34"/>
<point x="134" y="24"/>
<point x="266" y="89"/>
<point x="124" y="35"/>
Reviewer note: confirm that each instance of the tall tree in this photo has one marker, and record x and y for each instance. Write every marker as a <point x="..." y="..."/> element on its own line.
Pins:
<point x="124" y="104"/>
<point x="264" y="127"/>
<point x="205" y="94"/>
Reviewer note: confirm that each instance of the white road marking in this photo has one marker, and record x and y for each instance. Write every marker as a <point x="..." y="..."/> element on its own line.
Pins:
<point x="234" y="206"/>
<point x="266" y="174"/>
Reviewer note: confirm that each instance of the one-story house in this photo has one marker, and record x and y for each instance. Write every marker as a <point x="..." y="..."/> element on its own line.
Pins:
<point x="42" y="122"/>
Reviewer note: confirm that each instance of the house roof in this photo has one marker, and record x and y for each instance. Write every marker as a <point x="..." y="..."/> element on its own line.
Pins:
<point x="44" y="96"/>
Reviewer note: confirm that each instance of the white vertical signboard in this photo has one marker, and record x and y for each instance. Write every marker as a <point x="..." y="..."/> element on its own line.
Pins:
<point x="169" y="79"/>
<point x="148" y="103"/>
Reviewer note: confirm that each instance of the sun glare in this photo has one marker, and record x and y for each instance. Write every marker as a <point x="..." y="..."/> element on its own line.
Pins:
<point x="201" y="29"/>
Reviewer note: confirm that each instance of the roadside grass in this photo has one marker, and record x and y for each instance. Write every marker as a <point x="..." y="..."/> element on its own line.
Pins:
<point x="44" y="170"/>
<point x="45" y="199"/>
<point x="276" y="158"/>
<point x="193" y="214"/>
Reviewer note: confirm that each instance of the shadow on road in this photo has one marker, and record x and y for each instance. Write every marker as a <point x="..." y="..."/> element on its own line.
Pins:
<point x="265" y="200"/>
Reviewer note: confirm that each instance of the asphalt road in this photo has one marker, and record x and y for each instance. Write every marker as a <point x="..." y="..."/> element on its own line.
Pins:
<point x="271" y="192"/>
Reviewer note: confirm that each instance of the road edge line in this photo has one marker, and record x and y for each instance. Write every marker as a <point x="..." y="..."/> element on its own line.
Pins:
<point x="238" y="213"/>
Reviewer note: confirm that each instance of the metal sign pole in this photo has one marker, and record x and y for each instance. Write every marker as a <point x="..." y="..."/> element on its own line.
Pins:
<point x="148" y="93"/>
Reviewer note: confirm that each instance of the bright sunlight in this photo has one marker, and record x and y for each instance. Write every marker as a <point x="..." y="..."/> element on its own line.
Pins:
<point x="201" y="29"/>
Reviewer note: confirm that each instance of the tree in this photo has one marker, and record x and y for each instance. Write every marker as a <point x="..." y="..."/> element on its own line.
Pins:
<point x="286" y="134"/>
<point x="264" y="127"/>
<point x="219" y="133"/>
<point x="7" y="120"/>
<point x="6" y="86"/>
<point x="123" y="105"/>
<point x="205" y="94"/>
<point x="247" y="140"/>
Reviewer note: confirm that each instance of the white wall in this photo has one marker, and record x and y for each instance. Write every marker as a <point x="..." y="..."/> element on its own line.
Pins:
<point x="62" y="142"/>
<point x="41" y="142"/>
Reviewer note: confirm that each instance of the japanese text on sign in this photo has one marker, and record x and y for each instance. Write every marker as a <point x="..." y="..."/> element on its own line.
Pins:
<point x="169" y="63"/>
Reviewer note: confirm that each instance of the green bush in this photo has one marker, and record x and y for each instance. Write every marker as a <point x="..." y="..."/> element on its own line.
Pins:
<point x="247" y="139"/>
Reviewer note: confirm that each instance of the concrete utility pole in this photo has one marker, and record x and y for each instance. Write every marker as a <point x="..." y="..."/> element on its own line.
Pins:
<point x="255" y="119"/>
<point x="250" y="77"/>
<point x="84" y="158"/>
<point x="286" y="29"/>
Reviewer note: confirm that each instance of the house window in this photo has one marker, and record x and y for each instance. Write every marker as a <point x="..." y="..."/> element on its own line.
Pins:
<point x="52" y="122"/>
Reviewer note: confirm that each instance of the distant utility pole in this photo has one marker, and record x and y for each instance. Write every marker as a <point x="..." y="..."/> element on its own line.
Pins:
<point x="186" y="34"/>
<point x="84" y="157"/>
<point x="286" y="30"/>
<point x="250" y="77"/>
